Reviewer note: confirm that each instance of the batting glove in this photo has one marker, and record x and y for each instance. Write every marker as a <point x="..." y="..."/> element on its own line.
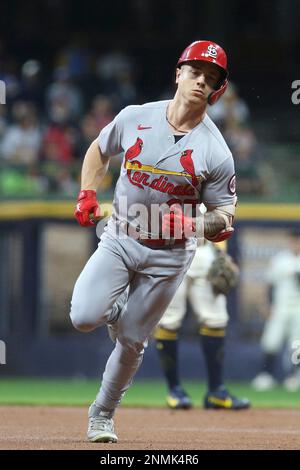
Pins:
<point x="176" y="225"/>
<point x="87" y="209"/>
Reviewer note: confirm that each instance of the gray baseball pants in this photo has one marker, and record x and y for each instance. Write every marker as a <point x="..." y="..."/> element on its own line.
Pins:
<point x="152" y="275"/>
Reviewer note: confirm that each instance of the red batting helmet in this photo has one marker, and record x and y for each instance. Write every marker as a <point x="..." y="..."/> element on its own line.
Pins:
<point x="208" y="51"/>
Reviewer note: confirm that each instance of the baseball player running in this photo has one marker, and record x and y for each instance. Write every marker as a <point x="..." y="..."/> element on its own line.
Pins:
<point x="174" y="159"/>
<point x="211" y="276"/>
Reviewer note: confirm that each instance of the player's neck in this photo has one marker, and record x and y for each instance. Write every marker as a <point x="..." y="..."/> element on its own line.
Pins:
<point x="181" y="115"/>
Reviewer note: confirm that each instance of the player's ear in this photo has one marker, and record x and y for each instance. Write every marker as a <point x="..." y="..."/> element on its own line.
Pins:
<point x="177" y="74"/>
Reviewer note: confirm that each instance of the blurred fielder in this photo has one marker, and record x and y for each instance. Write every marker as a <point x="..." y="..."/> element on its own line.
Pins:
<point x="211" y="276"/>
<point x="283" y="325"/>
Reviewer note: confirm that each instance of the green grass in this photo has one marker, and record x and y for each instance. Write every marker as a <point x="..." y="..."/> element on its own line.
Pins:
<point x="142" y="393"/>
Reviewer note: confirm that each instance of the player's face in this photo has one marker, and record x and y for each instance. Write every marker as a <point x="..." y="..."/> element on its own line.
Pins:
<point x="197" y="80"/>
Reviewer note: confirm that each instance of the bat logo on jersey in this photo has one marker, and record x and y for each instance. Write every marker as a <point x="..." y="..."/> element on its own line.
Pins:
<point x="211" y="52"/>
<point x="188" y="165"/>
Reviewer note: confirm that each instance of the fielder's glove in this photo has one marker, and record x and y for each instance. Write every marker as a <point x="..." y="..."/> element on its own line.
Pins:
<point x="87" y="210"/>
<point x="223" y="274"/>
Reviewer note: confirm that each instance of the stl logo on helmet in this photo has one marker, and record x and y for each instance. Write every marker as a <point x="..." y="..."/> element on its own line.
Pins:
<point x="211" y="52"/>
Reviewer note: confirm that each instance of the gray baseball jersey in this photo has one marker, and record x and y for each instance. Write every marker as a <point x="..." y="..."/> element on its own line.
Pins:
<point x="155" y="170"/>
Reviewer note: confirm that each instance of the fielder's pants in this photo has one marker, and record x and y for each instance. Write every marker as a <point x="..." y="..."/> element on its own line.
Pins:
<point x="209" y="309"/>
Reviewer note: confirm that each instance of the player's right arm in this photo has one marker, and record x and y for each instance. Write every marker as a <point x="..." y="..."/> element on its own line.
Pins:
<point x="94" y="169"/>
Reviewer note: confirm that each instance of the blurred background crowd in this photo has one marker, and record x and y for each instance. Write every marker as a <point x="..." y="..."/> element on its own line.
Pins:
<point x="47" y="125"/>
<point x="63" y="86"/>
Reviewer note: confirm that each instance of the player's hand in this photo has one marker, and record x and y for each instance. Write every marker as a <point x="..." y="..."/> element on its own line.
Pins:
<point x="87" y="210"/>
<point x="176" y="224"/>
<point x="221" y="236"/>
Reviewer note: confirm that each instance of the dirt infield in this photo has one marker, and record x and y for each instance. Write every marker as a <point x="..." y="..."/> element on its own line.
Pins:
<point x="152" y="429"/>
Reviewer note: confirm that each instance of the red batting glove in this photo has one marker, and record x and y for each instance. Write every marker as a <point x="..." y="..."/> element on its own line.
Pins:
<point x="176" y="224"/>
<point x="87" y="206"/>
<point x="221" y="236"/>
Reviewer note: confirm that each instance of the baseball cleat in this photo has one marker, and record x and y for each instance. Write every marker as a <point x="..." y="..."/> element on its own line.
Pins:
<point x="221" y="399"/>
<point x="178" y="399"/>
<point x="101" y="426"/>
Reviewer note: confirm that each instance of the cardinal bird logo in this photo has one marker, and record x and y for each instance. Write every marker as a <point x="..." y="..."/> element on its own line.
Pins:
<point x="134" y="150"/>
<point x="188" y="165"/>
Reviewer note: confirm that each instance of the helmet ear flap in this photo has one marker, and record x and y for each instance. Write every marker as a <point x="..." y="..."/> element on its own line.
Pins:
<point x="215" y="95"/>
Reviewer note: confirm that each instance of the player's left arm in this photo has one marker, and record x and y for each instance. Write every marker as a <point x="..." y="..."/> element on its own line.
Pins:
<point x="218" y="223"/>
<point x="219" y="197"/>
